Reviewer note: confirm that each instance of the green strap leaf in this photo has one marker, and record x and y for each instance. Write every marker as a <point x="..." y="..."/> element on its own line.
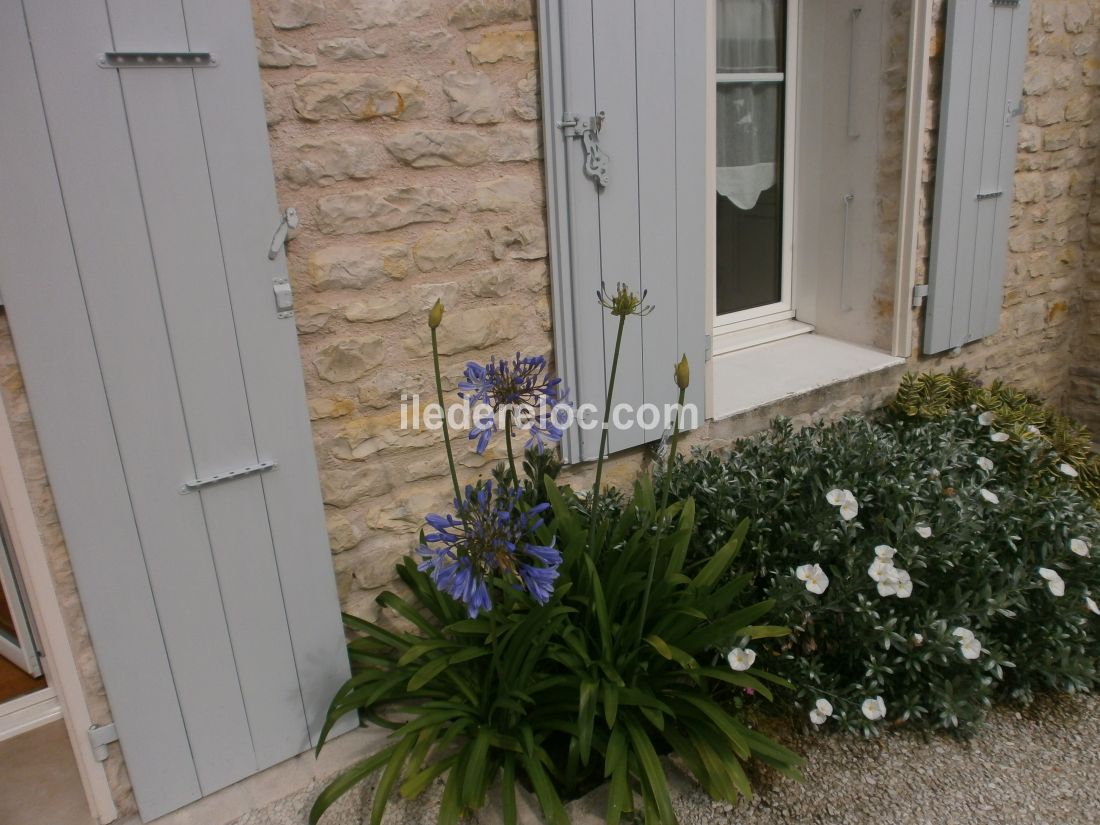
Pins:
<point x="348" y="780"/>
<point x="390" y="775"/>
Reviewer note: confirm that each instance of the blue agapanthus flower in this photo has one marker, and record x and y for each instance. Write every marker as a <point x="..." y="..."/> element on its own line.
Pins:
<point x="488" y="535"/>
<point x="522" y="385"/>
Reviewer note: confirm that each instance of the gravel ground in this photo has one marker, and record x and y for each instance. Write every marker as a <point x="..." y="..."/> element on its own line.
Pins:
<point x="1032" y="766"/>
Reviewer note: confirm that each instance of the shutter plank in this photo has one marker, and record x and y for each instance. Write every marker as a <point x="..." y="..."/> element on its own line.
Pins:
<point x="692" y="195"/>
<point x="232" y="113"/>
<point x="989" y="178"/>
<point x="987" y="308"/>
<point x="168" y="143"/>
<point x="582" y="225"/>
<point x="617" y="92"/>
<point x="56" y="349"/>
<point x="973" y="141"/>
<point x="657" y="202"/>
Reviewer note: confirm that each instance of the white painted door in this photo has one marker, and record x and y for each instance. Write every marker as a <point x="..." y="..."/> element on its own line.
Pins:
<point x="16" y="637"/>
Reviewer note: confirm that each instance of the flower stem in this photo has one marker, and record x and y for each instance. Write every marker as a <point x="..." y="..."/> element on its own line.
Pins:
<point x="508" y="442"/>
<point x="662" y="518"/>
<point x="595" y="497"/>
<point x="443" y="409"/>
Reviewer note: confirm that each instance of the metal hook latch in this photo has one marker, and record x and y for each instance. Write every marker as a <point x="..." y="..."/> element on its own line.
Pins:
<point x="595" y="159"/>
<point x="288" y="223"/>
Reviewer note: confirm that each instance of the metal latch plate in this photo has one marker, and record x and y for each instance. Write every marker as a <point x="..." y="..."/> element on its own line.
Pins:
<point x="156" y="60"/>
<point x="284" y="298"/>
<point x="228" y="475"/>
<point x="100" y="736"/>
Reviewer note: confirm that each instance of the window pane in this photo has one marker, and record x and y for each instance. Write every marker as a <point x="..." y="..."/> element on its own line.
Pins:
<point x="750" y="35"/>
<point x="749" y="179"/>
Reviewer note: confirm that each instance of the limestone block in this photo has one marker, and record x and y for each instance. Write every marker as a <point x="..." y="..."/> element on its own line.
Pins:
<point x="295" y="14"/>
<point x="357" y="96"/>
<point x="473" y="98"/>
<point x="371" y="14"/>
<point x="326" y="161"/>
<point x="274" y="54"/>
<point x="379" y="210"/>
<point x="350" y="48"/>
<point x="495" y="46"/>
<point x="349" y="359"/>
<point x="356" y="267"/>
<point x="439" y="147"/>
<point x="446" y="249"/>
<point x="505" y="194"/>
<point x="470" y="14"/>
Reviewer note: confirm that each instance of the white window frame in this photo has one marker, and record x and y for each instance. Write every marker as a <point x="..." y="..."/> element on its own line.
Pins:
<point x="724" y="327"/>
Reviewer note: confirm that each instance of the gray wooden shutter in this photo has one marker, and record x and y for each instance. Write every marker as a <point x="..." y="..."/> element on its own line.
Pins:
<point x="979" y="124"/>
<point x="644" y="64"/>
<point x="139" y="206"/>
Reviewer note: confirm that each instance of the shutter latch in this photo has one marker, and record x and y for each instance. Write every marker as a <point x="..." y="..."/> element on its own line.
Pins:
<point x="287" y="224"/>
<point x="920" y="292"/>
<point x="100" y="736"/>
<point x="595" y="160"/>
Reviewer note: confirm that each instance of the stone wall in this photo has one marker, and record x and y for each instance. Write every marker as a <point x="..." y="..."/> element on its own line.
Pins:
<point x="406" y="133"/>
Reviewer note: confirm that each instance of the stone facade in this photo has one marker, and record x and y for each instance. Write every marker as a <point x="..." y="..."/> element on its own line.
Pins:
<point x="406" y="133"/>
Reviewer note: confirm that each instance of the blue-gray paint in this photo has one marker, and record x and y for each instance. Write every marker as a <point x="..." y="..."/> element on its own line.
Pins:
<point x="643" y="63"/>
<point x="135" y="268"/>
<point x="979" y="123"/>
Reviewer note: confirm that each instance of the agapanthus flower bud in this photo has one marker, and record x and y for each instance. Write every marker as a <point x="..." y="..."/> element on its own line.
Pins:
<point x="435" y="315"/>
<point x="683" y="373"/>
<point x="623" y="302"/>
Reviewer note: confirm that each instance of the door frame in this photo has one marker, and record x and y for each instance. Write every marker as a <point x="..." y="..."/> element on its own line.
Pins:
<point x="59" y="661"/>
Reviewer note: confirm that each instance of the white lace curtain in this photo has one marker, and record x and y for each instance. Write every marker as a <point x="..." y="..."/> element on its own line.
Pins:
<point x="749" y="40"/>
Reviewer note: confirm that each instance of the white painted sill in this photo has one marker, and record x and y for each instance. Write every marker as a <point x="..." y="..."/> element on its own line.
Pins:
<point x="752" y="377"/>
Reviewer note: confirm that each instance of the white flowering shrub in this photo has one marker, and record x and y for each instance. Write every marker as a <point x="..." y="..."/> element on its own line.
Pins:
<point x="928" y="567"/>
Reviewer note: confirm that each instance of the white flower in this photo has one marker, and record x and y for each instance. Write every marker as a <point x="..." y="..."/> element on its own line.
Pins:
<point x="985" y="464"/>
<point x="741" y="658"/>
<point x="1091" y="605"/>
<point x="971" y="648"/>
<point x="818" y="582"/>
<point x="822" y="711"/>
<point x="903" y="585"/>
<point x="1032" y="429"/>
<point x="804" y="571"/>
<point x="1067" y="470"/>
<point x="998" y="437"/>
<point x="873" y="709"/>
<point x="849" y="507"/>
<point x="969" y="645"/>
<point x="917" y="639"/>
<point x="933" y="473"/>
<point x="1079" y="546"/>
<point x="880" y="569"/>
<point x="1054" y="581"/>
<point x="888" y="586"/>
<point x="924" y="531"/>
<point x="986" y="418"/>
<point x="989" y="496"/>
<point x="884" y="552"/>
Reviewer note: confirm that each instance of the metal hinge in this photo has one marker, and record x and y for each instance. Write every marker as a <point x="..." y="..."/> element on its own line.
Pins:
<point x="156" y="60"/>
<point x="595" y="160"/>
<point x="100" y="736"/>
<point x="984" y="196"/>
<point x="920" y="292"/>
<point x="228" y="475"/>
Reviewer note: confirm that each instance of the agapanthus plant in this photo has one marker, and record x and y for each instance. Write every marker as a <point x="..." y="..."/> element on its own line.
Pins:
<point x="558" y="655"/>
<point x="488" y="536"/>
